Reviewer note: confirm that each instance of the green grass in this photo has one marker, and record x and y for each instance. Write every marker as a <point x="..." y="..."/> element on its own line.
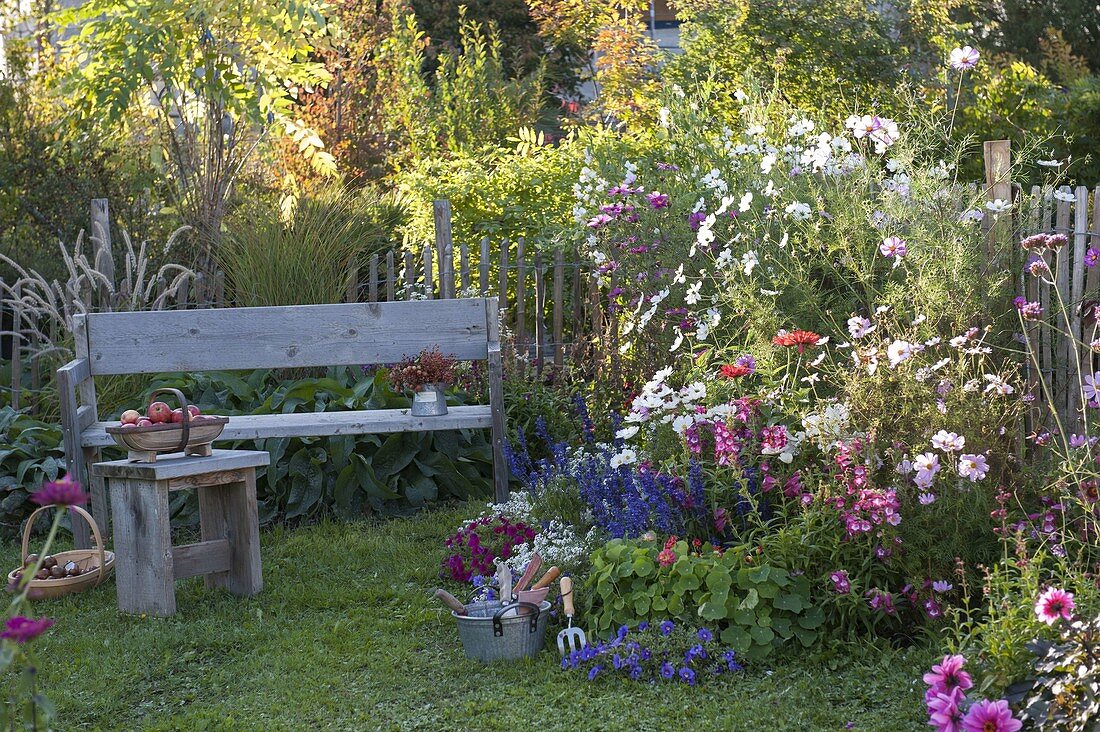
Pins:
<point x="344" y="637"/>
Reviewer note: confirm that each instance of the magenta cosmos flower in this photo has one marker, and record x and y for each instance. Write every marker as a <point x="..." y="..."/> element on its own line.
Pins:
<point x="946" y="675"/>
<point x="64" y="492"/>
<point x="1054" y="604"/>
<point x="21" y="629"/>
<point x="657" y="199"/>
<point x="991" y="716"/>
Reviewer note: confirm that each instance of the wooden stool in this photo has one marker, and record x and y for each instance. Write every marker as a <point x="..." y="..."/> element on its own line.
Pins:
<point x="146" y="563"/>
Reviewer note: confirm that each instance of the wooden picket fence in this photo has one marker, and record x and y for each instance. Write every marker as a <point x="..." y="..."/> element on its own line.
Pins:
<point x="1068" y="323"/>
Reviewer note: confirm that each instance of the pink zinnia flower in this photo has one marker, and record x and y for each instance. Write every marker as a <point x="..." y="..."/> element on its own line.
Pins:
<point x="64" y="492"/>
<point x="21" y="629"/>
<point x="943" y="710"/>
<point x="948" y="674"/>
<point x="991" y="716"/>
<point x="1054" y="604"/>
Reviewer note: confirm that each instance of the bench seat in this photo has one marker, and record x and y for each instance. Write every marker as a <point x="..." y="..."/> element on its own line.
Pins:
<point x="326" y="424"/>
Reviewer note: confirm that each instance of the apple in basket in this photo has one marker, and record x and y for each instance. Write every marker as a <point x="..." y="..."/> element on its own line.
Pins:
<point x="159" y="413"/>
<point x="130" y="416"/>
<point x="143" y="422"/>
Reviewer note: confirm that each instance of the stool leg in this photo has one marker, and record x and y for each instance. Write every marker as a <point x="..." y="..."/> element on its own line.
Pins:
<point x="229" y="512"/>
<point x="143" y="547"/>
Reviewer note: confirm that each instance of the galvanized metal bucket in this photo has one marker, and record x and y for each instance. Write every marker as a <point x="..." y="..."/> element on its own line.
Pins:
<point x="494" y="632"/>
<point x="430" y="401"/>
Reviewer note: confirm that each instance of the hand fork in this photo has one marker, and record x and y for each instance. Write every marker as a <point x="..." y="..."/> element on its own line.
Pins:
<point x="570" y="639"/>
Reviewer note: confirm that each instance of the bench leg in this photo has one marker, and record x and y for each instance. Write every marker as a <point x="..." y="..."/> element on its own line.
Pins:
<point x="229" y="512"/>
<point x="143" y="546"/>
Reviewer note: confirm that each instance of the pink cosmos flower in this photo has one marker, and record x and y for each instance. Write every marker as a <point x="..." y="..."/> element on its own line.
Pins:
<point x="926" y="499"/>
<point x="1054" y="604"/>
<point x="973" y="467"/>
<point x="893" y="246"/>
<point x="943" y="710"/>
<point x="948" y="674"/>
<point x="64" y="492"/>
<point x="964" y="58"/>
<point x="990" y="716"/>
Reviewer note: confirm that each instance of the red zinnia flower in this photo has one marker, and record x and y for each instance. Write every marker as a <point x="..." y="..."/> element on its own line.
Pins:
<point x="800" y="338"/>
<point x="734" y="371"/>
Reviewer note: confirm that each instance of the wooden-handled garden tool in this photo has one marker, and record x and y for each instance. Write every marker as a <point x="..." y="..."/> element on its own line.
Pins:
<point x="450" y="601"/>
<point x="571" y="639"/>
<point x="528" y="574"/>
<point x="551" y="575"/>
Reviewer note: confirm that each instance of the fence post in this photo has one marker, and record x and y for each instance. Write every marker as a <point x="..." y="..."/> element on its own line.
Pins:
<point x="444" y="245"/>
<point x="997" y="155"/>
<point x="102" y="256"/>
<point x="16" y="348"/>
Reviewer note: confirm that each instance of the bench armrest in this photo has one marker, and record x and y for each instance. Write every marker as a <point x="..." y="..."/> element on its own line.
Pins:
<point x="76" y="371"/>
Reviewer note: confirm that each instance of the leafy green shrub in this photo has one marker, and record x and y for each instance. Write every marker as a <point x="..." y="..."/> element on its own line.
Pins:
<point x="347" y="475"/>
<point x="1064" y="696"/>
<point x="762" y="607"/>
<point x="30" y="453"/>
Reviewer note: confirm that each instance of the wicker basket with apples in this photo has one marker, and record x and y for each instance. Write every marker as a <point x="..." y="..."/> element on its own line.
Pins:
<point x="163" y="429"/>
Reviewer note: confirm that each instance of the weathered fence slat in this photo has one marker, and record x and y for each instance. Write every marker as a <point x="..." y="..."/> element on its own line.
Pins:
<point x="429" y="277"/>
<point x="502" y="294"/>
<point x="483" y="263"/>
<point x="464" y="266"/>
<point x="391" y="277"/>
<point x="559" y="305"/>
<point x="410" y="276"/>
<point x="540" y="308"/>
<point x="372" y="284"/>
<point x="521" y="295"/>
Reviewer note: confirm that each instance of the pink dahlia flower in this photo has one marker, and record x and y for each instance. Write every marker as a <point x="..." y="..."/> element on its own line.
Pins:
<point x="990" y="716"/>
<point x="1054" y="604"/>
<point x="948" y="674"/>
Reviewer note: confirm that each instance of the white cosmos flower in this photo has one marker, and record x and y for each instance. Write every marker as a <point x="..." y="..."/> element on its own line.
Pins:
<point x="996" y="384"/>
<point x="998" y="206"/>
<point x="1049" y="163"/>
<point x="798" y="211"/>
<point x="1064" y="196"/>
<point x="898" y="352"/>
<point x="746" y="202"/>
<point x="859" y="327"/>
<point x="626" y="457"/>
<point x="749" y="261"/>
<point x="948" y="441"/>
<point x="767" y="163"/>
<point x="627" y="432"/>
<point x="692" y="297"/>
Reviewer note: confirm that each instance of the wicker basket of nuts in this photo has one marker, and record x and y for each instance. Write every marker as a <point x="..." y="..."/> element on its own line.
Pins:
<point x="66" y="572"/>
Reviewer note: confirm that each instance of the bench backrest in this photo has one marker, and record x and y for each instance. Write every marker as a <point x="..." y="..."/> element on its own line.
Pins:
<point x="223" y="339"/>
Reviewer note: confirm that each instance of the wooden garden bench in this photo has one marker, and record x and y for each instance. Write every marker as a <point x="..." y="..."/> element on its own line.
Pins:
<point x="223" y="339"/>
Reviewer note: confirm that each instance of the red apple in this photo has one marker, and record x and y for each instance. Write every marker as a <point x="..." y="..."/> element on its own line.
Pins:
<point x="177" y="415"/>
<point x="129" y="425"/>
<point x="159" y="413"/>
<point x="193" y="410"/>
<point x="131" y="416"/>
<point x="143" y="422"/>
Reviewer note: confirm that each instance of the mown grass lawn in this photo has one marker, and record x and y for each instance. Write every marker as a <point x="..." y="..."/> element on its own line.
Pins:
<point x="345" y="637"/>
